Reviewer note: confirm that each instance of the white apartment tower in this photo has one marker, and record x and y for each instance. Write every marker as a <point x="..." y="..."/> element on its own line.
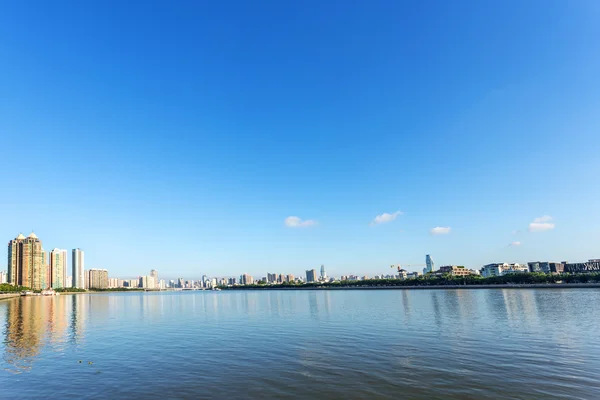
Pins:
<point x="77" y="263"/>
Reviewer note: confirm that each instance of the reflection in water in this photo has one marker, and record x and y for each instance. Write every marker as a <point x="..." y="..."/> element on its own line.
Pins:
<point x="26" y="322"/>
<point x="328" y="344"/>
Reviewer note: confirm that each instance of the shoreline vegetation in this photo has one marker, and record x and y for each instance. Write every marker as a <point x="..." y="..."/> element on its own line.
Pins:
<point x="521" y="280"/>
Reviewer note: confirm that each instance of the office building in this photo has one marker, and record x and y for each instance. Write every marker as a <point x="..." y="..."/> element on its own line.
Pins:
<point x="3" y="277"/>
<point x="429" y="266"/>
<point x="77" y="265"/>
<point x="96" y="279"/>
<point x="323" y="273"/>
<point x="26" y="266"/>
<point x="58" y="268"/>
<point x="592" y="265"/>
<point x="271" y="278"/>
<point x="289" y="278"/>
<point x="311" y="275"/>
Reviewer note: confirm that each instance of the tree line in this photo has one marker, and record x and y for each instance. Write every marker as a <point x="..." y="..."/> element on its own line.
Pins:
<point x="444" y="280"/>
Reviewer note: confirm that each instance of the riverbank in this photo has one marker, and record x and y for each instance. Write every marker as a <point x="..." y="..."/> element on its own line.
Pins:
<point x="430" y="287"/>
<point x="9" y="295"/>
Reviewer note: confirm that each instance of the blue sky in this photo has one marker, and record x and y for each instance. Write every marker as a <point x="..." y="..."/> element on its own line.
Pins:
<point x="180" y="135"/>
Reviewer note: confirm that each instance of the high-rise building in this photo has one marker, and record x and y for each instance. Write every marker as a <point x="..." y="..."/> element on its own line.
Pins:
<point x="66" y="275"/>
<point x="429" y="266"/>
<point x="26" y="262"/>
<point x="246" y="279"/>
<point x="311" y="275"/>
<point x="323" y="273"/>
<point x="58" y="267"/>
<point x="77" y="263"/>
<point x="96" y="278"/>
<point x="46" y="277"/>
<point x="154" y="275"/>
<point x="289" y="278"/>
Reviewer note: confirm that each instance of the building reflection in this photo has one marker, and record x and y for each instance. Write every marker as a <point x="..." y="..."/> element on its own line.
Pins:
<point x="35" y="322"/>
<point x="24" y="332"/>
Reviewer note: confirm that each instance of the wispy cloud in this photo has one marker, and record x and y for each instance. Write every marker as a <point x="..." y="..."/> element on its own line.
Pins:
<point x="513" y="244"/>
<point x="385" y="217"/>
<point x="541" y="224"/>
<point x="296" y="222"/>
<point x="440" y="230"/>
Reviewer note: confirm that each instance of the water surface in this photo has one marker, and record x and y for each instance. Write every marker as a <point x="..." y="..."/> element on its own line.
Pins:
<point x="450" y="344"/>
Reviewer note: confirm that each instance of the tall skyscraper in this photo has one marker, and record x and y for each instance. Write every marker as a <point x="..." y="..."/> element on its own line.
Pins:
<point x="311" y="275"/>
<point x="77" y="263"/>
<point x="58" y="268"/>
<point x="429" y="266"/>
<point x="26" y="262"/>
<point x="323" y="273"/>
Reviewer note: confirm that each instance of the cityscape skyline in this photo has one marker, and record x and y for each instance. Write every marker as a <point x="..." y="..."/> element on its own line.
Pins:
<point x="31" y="266"/>
<point x="58" y="256"/>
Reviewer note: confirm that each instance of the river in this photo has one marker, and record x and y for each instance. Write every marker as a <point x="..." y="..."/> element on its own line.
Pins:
<point x="305" y="344"/>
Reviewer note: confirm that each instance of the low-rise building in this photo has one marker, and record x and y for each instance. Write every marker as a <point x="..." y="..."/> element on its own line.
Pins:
<point x="592" y="265"/>
<point x="500" y="269"/>
<point x="455" y="270"/>
<point x="546" y="267"/>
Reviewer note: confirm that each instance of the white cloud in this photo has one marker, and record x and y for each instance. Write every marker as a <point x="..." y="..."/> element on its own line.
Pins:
<point x="296" y="222"/>
<point x="385" y="217"/>
<point x="541" y="224"/>
<point x="514" y="244"/>
<point x="440" y="230"/>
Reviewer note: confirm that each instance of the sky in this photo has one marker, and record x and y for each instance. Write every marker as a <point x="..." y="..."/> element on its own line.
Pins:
<point x="225" y="137"/>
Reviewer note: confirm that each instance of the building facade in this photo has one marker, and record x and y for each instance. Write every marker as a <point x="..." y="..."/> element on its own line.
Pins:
<point x="500" y="269"/>
<point x="26" y="264"/>
<point x="97" y="279"/>
<point x="429" y="266"/>
<point x="546" y="267"/>
<point x="58" y="268"/>
<point x="154" y="275"/>
<point x="246" y="279"/>
<point x="455" y="270"/>
<point x="78" y="264"/>
<point x="311" y="275"/>
<point x="592" y="265"/>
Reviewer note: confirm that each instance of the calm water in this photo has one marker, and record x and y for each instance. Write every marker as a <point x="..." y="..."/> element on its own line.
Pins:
<point x="451" y="344"/>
